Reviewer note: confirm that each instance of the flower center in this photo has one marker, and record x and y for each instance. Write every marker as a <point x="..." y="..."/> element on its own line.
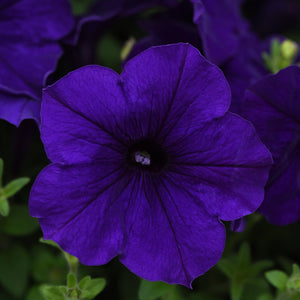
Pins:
<point x="142" y="158"/>
<point x="148" y="155"/>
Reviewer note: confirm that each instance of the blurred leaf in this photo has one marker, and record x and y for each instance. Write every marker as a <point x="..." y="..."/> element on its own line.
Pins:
<point x="1" y="171"/>
<point x="243" y="273"/>
<point x="83" y="282"/>
<point x="92" y="288"/>
<point x="284" y="296"/>
<point x="153" y="289"/>
<point x="72" y="261"/>
<point x="19" y="222"/>
<point x="255" y="288"/>
<point x="71" y="281"/>
<point x="173" y="295"/>
<point x="293" y="297"/>
<point x="257" y="267"/>
<point x="125" y="51"/>
<point x="14" y="186"/>
<point x="74" y="295"/>
<point x="4" y="206"/>
<point x="14" y="273"/>
<point x="48" y="267"/>
<point x="226" y="266"/>
<point x="243" y="259"/>
<point x="293" y="283"/>
<point x="236" y="290"/>
<point x="34" y="294"/>
<point x="277" y="278"/>
<point x="51" y="243"/>
<point x="295" y="269"/>
<point x="265" y="297"/>
<point x="50" y="292"/>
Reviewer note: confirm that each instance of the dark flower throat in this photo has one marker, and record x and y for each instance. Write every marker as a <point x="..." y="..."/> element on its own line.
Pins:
<point x="148" y="155"/>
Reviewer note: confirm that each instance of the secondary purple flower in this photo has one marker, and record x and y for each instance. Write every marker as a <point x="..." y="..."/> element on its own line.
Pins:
<point x="29" y="33"/>
<point x="146" y="163"/>
<point x="221" y="27"/>
<point x="245" y="68"/>
<point x="272" y="104"/>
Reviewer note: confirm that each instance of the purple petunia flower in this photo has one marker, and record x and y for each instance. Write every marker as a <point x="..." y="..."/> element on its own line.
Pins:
<point x="272" y="104"/>
<point x="146" y="163"/>
<point x="29" y="50"/>
<point x="221" y="27"/>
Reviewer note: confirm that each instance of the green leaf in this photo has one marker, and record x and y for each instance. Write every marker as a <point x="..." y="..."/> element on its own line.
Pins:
<point x="127" y="48"/>
<point x="236" y="290"/>
<point x="71" y="281"/>
<point x="51" y="243"/>
<point x="51" y="292"/>
<point x="293" y="282"/>
<point x="92" y="288"/>
<point x="14" y="186"/>
<point x="277" y="278"/>
<point x="265" y="297"/>
<point x="34" y="294"/>
<point x="151" y="290"/>
<point x="48" y="267"/>
<point x="258" y="267"/>
<point x="72" y="261"/>
<point x="296" y="269"/>
<point x="244" y="256"/>
<point x="83" y="282"/>
<point x="255" y="288"/>
<point x="174" y="295"/>
<point x="14" y="273"/>
<point x="19" y="222"/>
<point x="74" y="295"/>
<point x="1" y="171"/>
<point x="227" y="267"/>
<point x="4" y="206"/>
<point x="285" y="296"/>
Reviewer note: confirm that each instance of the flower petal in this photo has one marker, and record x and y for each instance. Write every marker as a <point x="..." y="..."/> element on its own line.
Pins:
<point x="81" y="208"/>
<point x="20" y="74"/>
<point x="163" y="82"/>
<point x="29" y="50"/>
<point x="16" y="107"/>
<point x="282" y="201"/>
<point x="225" y="162"/>
<point x="170" y="237"/>
<point x="79" y="116"/>
<point x="221" y="26"/>
<point x="272" y="105"/>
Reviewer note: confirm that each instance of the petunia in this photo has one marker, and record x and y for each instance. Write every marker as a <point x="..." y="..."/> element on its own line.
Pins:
<point x="145" y="164"/>
<point x="221" y="27"/>
<point x="29" y="50"/>
<point x="272" y="104"/>
<point x="245" y="68"/>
